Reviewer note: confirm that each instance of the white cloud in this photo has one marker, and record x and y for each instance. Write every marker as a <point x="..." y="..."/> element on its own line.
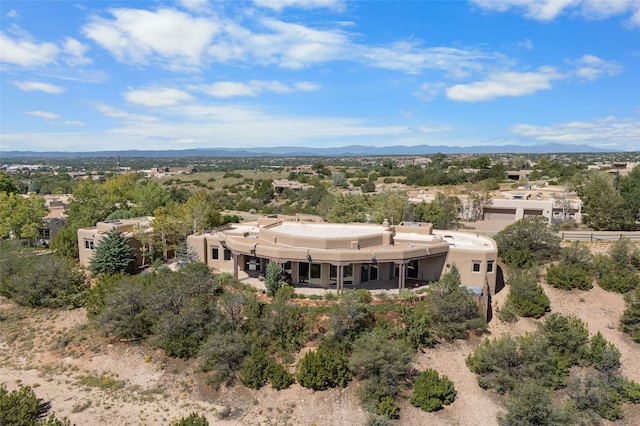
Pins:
<point x="279" y="5"/>
<point x="428" y="91"/>
<point x="12" y="14"/>
<point x="157" y="97"/>
<point x="195" y="5"/>
<point x="180" y="41"/>
<point x="116" y="113"/>
<point x="228" y="89"/>
<point x="600" y="9"/>
<point x="73" y="52"/>
<point x="548" y="10"/>
<point x="296" y="46"/>
<point x="27" y="52"/>
<point x="75" y="123"/>
<point x="43" y="114"/>
<point x="590" y="67"/>
<point x="19" y="48"/>
<point x="409" y="57"/>
<point x="231" y="89"/>
<point x="306" y="86"/>
<point x="614" y="131"/>
<point x="504" y="84"/>
<point x="38" y="86"/>
<point x="171" y="37"/>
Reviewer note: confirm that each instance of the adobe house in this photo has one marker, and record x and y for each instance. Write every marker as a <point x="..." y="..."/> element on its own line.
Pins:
<point x="330" y="255"/>
<point x="89" y="238"/>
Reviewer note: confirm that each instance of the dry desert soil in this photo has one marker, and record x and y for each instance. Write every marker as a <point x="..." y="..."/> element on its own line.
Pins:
<point x="94" y="381"/>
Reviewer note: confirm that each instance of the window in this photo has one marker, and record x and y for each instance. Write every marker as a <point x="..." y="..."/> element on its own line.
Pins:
<point x="315" y="271"/>
<point x="489" y="266"/>
<point x="88" y="244"/>
<point x="214" y="253"/>
<point x="476" y="266"/>
<point x="227" y="254"/>
<point x="412" y="269"/>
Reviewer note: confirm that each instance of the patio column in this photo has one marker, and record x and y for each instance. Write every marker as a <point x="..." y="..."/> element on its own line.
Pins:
<point x="235" y="267"/>
<point x="340" y="278"/>
<point x="401" y="275"/>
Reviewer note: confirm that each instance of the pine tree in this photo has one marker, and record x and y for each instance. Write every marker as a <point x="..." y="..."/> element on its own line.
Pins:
<point x="112" y="255"/>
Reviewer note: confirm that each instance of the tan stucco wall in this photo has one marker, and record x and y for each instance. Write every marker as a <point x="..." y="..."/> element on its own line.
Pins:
<point x="96" y="233"/>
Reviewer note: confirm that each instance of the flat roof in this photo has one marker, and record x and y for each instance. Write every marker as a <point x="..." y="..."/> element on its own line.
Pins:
<point x="328" y="230"/>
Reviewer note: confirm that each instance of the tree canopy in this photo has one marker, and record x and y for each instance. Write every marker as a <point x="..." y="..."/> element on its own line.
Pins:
<point x="21" y="217"/>
<point x="527" y="242"/>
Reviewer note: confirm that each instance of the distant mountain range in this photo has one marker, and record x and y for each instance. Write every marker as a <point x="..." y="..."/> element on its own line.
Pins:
<point x="296" y="151"/>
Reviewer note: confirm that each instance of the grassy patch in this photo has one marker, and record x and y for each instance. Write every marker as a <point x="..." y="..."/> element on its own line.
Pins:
<point x="101" y="382"/>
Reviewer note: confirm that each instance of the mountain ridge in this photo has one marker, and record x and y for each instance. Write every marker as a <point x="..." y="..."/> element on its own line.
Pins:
<point x="297" y="151"/>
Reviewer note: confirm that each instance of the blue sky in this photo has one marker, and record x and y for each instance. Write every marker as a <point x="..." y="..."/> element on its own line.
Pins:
<point x="93" y="75"/>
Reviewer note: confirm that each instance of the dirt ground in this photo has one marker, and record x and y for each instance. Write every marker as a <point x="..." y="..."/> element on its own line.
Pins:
<point x="97" y="382"/>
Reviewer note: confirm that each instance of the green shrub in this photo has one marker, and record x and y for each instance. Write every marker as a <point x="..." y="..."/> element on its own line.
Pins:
<point x="567" y="337"/>
<point x="631" y="391"/>
<point x="526" y="297"/>
<point x="531" y="404"/>
<point x="618" y="270"/>
<point x="273" y="278"/>
<point x="567" y="276"/>
<point x="388" y="407"/>
<point x="602" y="355"/>
<point x="417" y="330"/>
<point x="527" y="242"/>
<point x="620" y="281"/>
<point x="324" y="368"/>
<point x="452" y="308"/>
<point x="377" y="421"/>
<point x="46" y="281"/>
<point x="594" y="394"/>
<point x="279" y="377"/>
<point x="255" y="369"/>
<point x="431" y="392"/>
<point x="99" y="294"/>
<point x="21" y="407"/>
<point x="125" y="314"/>
<point x="192" y="419"/>
<point x="383" y="364"/>
<point x="504" y="362"/>
<point x="630" y="319"/>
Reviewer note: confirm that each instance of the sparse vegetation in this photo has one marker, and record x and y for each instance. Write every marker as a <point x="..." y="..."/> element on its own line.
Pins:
<point x="40" y="279"/>
<point x="529" y="368"/>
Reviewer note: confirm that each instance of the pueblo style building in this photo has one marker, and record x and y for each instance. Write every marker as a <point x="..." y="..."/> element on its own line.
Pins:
<point x="331" y="255"/>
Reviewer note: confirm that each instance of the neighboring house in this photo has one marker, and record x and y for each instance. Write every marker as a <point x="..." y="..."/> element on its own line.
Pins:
<point x="518" y="205"/>
<point x="331" y="255"/>
<point x="57" y="216"/>
<point x="282" y="184"/>
<point x="513" y="206"/>
<point x="89" y="238"/>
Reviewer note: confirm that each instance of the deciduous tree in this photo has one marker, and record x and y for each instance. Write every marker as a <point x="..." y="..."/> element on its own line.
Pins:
<point x="21" y="217"/>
